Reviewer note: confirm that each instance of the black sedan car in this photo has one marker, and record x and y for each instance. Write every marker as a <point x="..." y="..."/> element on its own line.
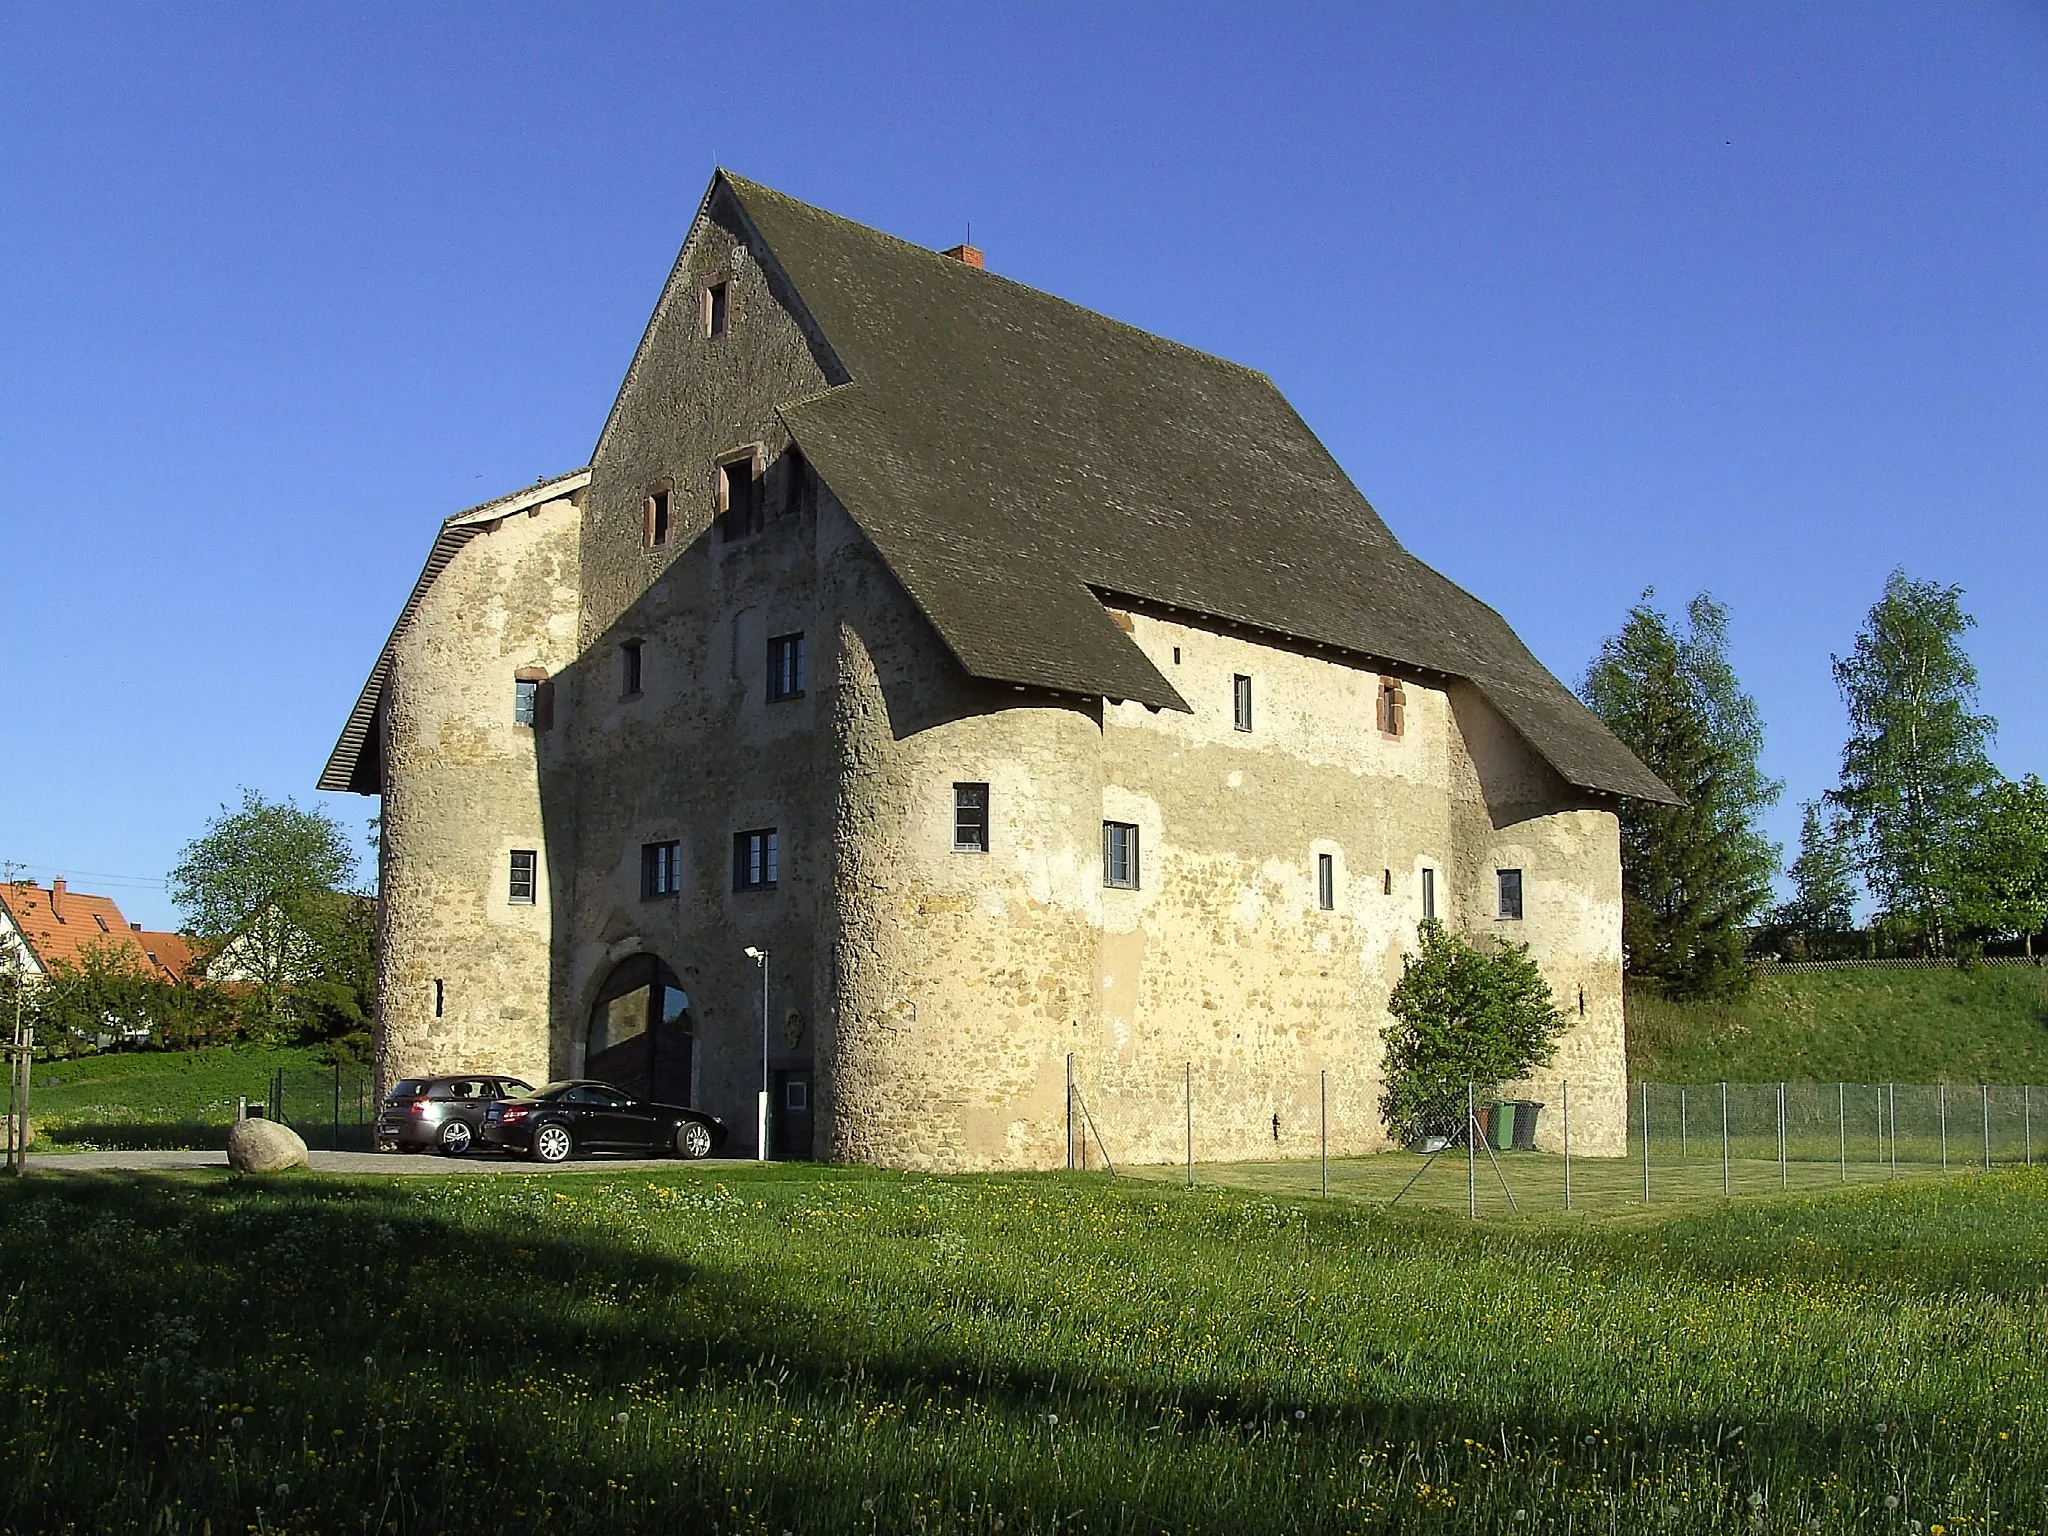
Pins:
<point x="446" y="1113"/>
<point x="553" y="1123"/>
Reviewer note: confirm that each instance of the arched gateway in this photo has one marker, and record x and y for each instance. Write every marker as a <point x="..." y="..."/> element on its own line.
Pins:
<point x="640" y="1037"/>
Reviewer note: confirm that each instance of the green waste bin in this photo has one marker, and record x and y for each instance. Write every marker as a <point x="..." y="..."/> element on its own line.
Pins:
<point x="1525" y="1111"/>
<point x="1499" y="1124"/>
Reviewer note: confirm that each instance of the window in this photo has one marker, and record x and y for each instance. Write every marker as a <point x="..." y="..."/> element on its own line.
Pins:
<point x="525" y="700"/>
<point x="785" y="667"/>
<point x="796" y="1094"/>
<point x="796" y="483"/>
<point x="1511" y="895"/>
<point x="661" y="870"/>
<point x="970" y="818"/>
<point x="1176" y="655"/>
<point x="440" y="997"/>
<point x="717" y="309"/>
<point x="1428" y="894"/>
<point x="525" y="868"/>
<point x="1241" y="702"/>
<point x="1393" y="707"/>
<point x="1326" y="881"/>
<point x="1120" y="855"/>
<point x="629" y="668"/>
<point x="655" y="517"/>
<point x="754" y="860"/>
<point x="739" y="499"/>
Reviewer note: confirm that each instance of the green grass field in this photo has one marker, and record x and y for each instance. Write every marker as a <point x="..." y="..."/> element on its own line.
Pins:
<point x="1918" y="1026"/>
<point x="181" y="1098"/>
<point x="809" y="1349"/>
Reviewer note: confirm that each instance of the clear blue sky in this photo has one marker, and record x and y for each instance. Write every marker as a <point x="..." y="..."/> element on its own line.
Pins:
<point x="1585" y="298"/>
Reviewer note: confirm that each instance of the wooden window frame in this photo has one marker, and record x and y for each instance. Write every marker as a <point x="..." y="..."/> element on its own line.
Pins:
<point x="1326" y="882"/>
<point x="790" y="646"/>
<point x="743" y="861"/>
<point x="1391" y="708"/>
<point x="716" y="312"/>
<point x="1429" y="895"/>
<point x="657" y="515"/>
<point x="970" y="817"/>
<point x="1241" y="701"/>
<point x="661" y="870"/>
<point x="1132" y="876"/>
<point x="543" y="699"/>
<point x="532" y="881"/>
<point x="1506" y="880"/>
<point x="755" y="458"/>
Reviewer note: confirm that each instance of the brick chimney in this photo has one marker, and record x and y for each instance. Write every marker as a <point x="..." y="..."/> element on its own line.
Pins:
<point x="967" y="255"/>
<point x="57" y="900"/>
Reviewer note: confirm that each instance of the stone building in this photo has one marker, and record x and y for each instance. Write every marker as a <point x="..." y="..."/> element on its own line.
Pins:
<point x="1029" y="688"/>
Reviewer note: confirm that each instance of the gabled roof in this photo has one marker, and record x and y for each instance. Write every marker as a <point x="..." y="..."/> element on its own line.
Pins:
<point x="61" y="925"/>
<point x="1015" y="458"/>
<point x="352" y="766"/>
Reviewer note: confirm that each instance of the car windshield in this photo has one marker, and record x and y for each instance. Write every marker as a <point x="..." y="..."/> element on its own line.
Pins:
<point x="547" y="1090"/>
<point x="512" y="1088"/>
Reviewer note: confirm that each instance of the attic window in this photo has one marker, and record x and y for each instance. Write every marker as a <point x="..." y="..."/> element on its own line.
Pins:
<point x="1241" y="702"/>
<point x="654" y="515"/>
<point x="717" y="309"/>
<point x="1393" y="707"/>
<point x="739" y="498"/>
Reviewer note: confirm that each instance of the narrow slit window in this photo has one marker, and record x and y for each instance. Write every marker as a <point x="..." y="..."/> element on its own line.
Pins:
<point x="739" y="497"/>
<point x="629" y="668"/>
<point x="1241" y="702"/>
<point x="1511" y="895"/>
<point x="1393" y="707"/>
<point x="654" y="513"/>
<point x="785" y="668"/>
<point x="970" y="818"/>
<point x="525" y="877"/>
<point x="440" y="997"/>
<point x="526" y="701"/>
<point x="1120" y="855"/>
<point x="661" y="870"/>
<point x="756" y="858"/>
<point x="1326" y="881"/>
<point x="1429" y="895"/>
<point x="717" y="309"/>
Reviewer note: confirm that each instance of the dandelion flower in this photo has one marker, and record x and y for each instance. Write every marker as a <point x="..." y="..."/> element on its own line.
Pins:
<point x="1891" y="1501"/>
<point x="1883" y="1428"/>
<point x="235" y="1422"/>
<point x="1301" y="1413"/>
<point x="1756" y="1501"/>
<point x="1521" y="1514"/>
<point x="284" y="1490"/>
<point x="619" y="1418"/>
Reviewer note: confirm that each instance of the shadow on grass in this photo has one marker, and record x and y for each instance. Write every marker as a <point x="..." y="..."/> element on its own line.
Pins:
<point x="183" y="1135"/>
<point x="371" y="1356"/>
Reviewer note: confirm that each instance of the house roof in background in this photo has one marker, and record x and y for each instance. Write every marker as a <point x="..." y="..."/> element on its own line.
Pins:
<point x="1017" y="459"/>
<point x="61" y="925"/>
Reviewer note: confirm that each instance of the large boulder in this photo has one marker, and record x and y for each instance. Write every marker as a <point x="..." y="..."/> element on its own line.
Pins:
<point x="264" y="1146"/>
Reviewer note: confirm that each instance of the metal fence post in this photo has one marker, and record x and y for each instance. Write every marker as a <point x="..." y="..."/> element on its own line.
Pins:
<point x="1892" y="1093"/>
<point x="1842" y="1125"/>
<point x="1471" y="1157"/>
<point x="1567" y="1086"/>
<point x="2027" y="1119"/>
<point x="1646" y="1143"/>
<point x="1325" y="1086"/>
<point x="1188" y="1101"/>
<point x="1070" y="1111"/>
<point x="1984" y="1094"/>
<point x="1941" y="1099"/>
<point x="1684" y="1143"/>
<point x="1724" y="1136"/>
<point x="1781" y="1136"/>
<point x="334" y="1135"/>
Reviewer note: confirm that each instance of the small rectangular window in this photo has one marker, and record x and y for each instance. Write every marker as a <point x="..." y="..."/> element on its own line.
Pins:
<point x="655" y="514"/>
<point x="739" y="499"/>
<point x="629" y="668"/>
<point x="1393" y="707"/>
<point x="717" y="309"/>
<point x="661" y="870"/>
<point x="526" y="701"/>
<point x="785" y="668"/>
<point x="1120" y="855"/>
<point x="1326" y="881"/>
<point x="1428" y="894"/>
<point x="1241" y="702"/>
<point x="796" y="1094"/>
<point x="1511" y="895"/>
<point x="755" y="858"/>
<point x="440" y="997"/>
<point x="970" y="818"/>
<point x="525" y="867"/>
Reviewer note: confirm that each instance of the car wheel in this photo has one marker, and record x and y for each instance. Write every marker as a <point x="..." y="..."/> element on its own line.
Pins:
<point x="456" y="1138"/>
<point x="552" y="1144"/>
<point x="693" y="1140"/>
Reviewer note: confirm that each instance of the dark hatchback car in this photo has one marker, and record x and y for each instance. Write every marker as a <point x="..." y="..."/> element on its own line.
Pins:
<point x="442" y="1112"/>
<point x="554" y="1123"/>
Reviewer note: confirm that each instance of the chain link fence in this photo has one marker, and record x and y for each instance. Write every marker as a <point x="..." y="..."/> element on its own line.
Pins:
<point x="1583" y="1147"/>
<point x="333" y="1108"/>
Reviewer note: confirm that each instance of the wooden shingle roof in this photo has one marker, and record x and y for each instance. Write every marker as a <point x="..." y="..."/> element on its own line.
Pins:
<point x="1016" y="459"/>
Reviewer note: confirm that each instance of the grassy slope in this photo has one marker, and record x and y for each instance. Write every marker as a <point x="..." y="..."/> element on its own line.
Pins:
<point x="808" y="1349"/>
<point x="111" y="1097"/>
<point x="1918" y="1026"/>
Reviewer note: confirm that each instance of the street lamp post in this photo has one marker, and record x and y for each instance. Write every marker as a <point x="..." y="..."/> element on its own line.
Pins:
<point x="760" y="958"/>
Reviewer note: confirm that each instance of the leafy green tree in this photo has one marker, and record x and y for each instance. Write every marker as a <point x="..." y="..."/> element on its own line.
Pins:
<point x="1823" y="878"/>
<point x="2003" y="888"/>
<point x="1693" y="875"/>
<point x="259" y="888"/>
<point x="1461" y="1017"/>
<point x="1915" y="761"/>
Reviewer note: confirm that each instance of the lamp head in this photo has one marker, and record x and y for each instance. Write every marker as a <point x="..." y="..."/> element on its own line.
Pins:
<point x="756" y="955"/>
